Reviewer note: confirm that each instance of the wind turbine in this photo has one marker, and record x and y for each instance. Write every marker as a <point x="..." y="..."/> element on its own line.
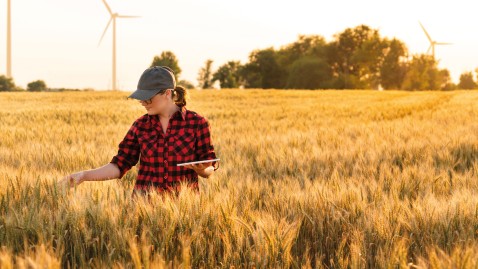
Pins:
<point x="9" y="40"/>
<point x="432" y="42"/>
<point x="113" y="19"/>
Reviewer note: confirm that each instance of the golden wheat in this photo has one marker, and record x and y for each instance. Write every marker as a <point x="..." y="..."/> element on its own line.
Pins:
<point x="341" y="179"/>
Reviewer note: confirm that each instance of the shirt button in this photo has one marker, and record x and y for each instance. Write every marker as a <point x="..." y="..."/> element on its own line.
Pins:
<point x="165" y="161"/>
<point x="166" y="177"/>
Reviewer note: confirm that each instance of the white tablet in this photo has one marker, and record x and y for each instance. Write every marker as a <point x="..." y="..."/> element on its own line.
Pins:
<point x="204" y="161"/>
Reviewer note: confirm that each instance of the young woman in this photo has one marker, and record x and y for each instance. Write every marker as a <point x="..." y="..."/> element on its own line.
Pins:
<point x="167" y="135"/>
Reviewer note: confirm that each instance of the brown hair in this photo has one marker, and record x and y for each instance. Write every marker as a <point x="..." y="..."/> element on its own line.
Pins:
<point x="179" y="96"/>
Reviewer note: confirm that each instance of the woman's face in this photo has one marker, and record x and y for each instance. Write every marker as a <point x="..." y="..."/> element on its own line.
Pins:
<point x="157" y="104"/>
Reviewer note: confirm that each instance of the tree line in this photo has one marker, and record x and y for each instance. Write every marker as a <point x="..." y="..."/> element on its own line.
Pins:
<point x="7" y="84"/>
<point x="356" y="58"/>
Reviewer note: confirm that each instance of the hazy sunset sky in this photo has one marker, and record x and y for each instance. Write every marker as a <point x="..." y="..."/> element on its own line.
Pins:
<point x="56" y="40"/>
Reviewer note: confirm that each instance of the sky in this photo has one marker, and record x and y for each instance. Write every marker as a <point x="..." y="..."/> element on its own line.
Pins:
<point x="57" y="40"/>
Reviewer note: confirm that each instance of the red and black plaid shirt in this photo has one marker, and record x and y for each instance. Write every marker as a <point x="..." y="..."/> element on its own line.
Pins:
<point x="186" y="139"/>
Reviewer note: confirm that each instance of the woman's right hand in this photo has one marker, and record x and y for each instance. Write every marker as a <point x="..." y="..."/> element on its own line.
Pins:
<point x="72" y="180"/>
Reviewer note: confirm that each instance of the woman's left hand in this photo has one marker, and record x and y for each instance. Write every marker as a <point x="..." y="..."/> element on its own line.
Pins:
<point x="203" y="169"/>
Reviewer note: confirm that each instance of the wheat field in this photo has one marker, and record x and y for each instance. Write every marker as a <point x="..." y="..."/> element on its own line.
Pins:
<point x="308" y="179"/>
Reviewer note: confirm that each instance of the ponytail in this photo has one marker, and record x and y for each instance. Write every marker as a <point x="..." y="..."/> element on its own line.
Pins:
<point x="179" y="96"/>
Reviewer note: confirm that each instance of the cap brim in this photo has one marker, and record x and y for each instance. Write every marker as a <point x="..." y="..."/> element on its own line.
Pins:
<point x="143" y="95"/>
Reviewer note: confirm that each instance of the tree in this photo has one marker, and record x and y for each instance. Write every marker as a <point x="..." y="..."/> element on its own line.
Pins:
<point x="393" y="69"/>
<point x="444" y="80"/>
<point x="263" y="70"/>
<point x="167" y="58"/>
<point x="369" y="58"/>
<point x="312" y="46"/>
<point x="6" y="84"/>
<point x="423" y="74"/>
<point x="36" y="86"/>
<point x="205" y="75"/>
<point x="309" y="73"/>
<point x="341" y="55"/>
<point x="228" y="75"/>
<point x="186" y="84"/>
<point x="304" y="63"/>
<point x="356" y="57"/>
<point x="466" y="81"/>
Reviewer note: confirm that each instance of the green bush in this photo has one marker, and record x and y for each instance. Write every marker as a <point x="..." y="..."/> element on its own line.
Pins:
<point x="37" y="86"/>
<point x="6" y="84"/>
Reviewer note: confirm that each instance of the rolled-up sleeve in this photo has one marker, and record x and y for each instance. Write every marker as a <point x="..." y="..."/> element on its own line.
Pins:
<point x="204" y="147"/>
<point x="128" y="151"/>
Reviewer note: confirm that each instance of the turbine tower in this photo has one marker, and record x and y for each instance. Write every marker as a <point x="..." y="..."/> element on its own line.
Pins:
<point x="113" y="19"/>
<point x="432" y="42"/>
<point x="9" y="40"/>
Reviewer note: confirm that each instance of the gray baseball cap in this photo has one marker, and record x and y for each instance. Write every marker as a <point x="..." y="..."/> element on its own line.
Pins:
<point x="152" y="81"/>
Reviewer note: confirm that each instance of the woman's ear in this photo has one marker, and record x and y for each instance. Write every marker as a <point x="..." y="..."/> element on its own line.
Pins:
<point x="170" y="92"/>
<point x="167" y="93"/>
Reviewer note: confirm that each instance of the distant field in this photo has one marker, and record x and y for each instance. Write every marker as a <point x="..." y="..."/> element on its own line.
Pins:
<point x="308" y="179"/>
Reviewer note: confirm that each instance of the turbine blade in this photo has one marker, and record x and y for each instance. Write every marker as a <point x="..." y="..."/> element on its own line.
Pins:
<point x="443" y="43"/>
<point x="127" y="16"/>
<point x="426" y="33"/>
<point x="104" y="32"/>
<point x="429" y="48"/>
<point x="108" y="7"/>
